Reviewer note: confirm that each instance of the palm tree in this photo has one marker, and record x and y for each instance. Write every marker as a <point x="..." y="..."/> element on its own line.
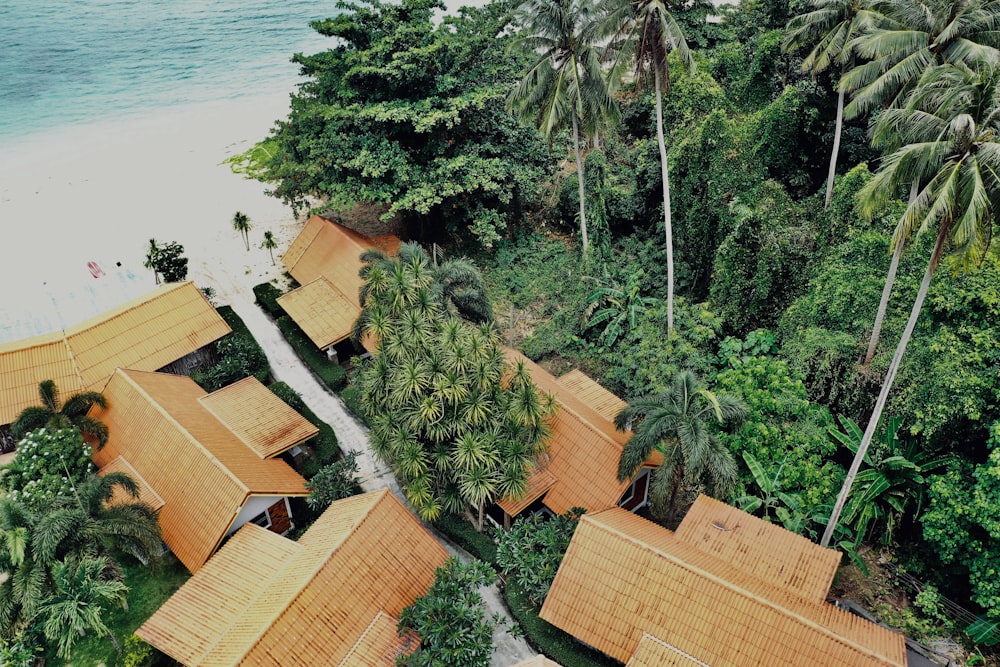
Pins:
<point x="269" y="243"/>
<point x="647" y="30"/>
<point x="911" y="37"/>
<point x="831" y="28"/>
<point x="564" y="85"/>
<point x="949" y="129"/>
<point x="53" y="414"/>
<point x="241" y="223"/>
<point x="678" y="423"/>
<point x="82" y="591"/>
<point x="27" y="579"/>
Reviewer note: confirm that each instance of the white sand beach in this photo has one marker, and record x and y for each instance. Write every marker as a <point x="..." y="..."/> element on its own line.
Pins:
<point x="99" y="193"/>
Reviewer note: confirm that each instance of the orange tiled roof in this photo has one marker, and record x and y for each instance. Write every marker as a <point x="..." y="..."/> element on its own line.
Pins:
<point x="591" y="393"/>
<point x="146" y="334"/>
<point x="146" y="492"/>
<point x="322" y="311"/>
<point x="539" y="481"/>
<point x="583" y="450"/>
<point x="380" y="644"/>
<point x="538" y="661"/>
<point x="623" y="576"/>
<point x="765" y="550"/>
<point x="325" y="258"/>
<point x="264" y="422"/>
<point x="201" y="469"/>
<point x="653" y="652"/>
<point x="265" y="600"/>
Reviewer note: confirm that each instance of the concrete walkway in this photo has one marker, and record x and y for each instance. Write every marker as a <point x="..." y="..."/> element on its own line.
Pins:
<point x="288" y="368"/>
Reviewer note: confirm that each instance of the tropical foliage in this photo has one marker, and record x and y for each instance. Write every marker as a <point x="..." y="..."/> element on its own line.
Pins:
<point x="529" y="553"/>
<point x="49" y="464"/>
<point x="55" y="414"/>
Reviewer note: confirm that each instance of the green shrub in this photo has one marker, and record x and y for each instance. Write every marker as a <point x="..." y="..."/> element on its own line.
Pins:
<point x="329" y="372"/>
<point x="351" y="396"/>
<point x="324" y="446"/>
<point x="137" y="653"/>
<point x="239" y="356"/>
<point x="266" y="296"/>
<point x="462" y="533"/>
<point x="547" y="638"/>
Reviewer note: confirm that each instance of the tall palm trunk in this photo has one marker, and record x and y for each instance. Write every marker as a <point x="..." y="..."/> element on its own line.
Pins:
<point x="667" y="229"/>
<point x="890" y="278"/>
<point x="579" y="173"/>
<point x="890" y="376"/>
<point x="836" y="148"/>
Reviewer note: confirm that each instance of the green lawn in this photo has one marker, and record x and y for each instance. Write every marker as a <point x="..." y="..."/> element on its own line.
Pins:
<point x="149" y="586"/>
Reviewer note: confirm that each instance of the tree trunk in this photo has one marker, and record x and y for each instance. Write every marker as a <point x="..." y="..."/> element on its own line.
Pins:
<point x="579" y="173"/>
<point x="836" y="148"/>
<point x="597" y="140"/>
<point x="883" y="303"/>
<point x="667" y="229"/>
<point x="114" y="641"/>
<point x="883" y="395"/>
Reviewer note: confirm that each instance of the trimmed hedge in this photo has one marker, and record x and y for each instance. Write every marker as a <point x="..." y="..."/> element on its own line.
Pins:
<point x="351" y="396"/>
<point x="240" y="356"/>
<point x="266" y="296"/>
<point x="329" y="373"/>
<point x="549" y="639"/>
<point x="462" y="533"/>
<point x="324" y="445"/>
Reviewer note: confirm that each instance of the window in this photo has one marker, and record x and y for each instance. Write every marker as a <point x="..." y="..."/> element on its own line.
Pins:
<point x="263" y="520"/>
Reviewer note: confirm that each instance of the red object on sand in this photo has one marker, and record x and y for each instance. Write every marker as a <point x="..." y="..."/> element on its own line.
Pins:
<point x="95" y="269"/>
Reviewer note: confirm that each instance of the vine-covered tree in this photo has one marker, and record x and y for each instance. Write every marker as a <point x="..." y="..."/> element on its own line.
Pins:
<point x="409" y="113"/>
<point x="459" y="424"/>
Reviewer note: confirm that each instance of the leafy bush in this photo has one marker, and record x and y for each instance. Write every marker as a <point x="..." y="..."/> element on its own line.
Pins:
<point x="334" y="481"/>
<point x="137" y="653"/>
<point x="239" y="356"/>
<point x="328" y="371"/>
<point x="352" y="399"/>
<point x="462" y="533"/>
<point x="48" y="464"/>
<point x="531" y="551"/>
<point x="266" y="296"/>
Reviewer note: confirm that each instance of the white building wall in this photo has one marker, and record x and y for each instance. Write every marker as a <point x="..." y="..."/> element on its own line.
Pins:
<point x="254" y="506"/>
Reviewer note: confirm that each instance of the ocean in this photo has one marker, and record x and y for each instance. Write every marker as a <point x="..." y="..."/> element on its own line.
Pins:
<point x="71" y="63"/>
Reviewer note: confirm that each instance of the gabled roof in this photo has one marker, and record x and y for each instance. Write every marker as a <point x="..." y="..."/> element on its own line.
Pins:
<point x="146" y="334"/>
<point x="325" y="258"/>
<point x="146" y="493"/>
<point x="591" y="393"/>
<point x="380" y="644"/>
<point x="264" y="422"/>
<point x="765" y="550"/>
<point x="653" y="652"/>
<point x="200" y="468"/>
<point x="583" y="451"/>
<point x="329" y="599"/>
<point x="623" y="576"/>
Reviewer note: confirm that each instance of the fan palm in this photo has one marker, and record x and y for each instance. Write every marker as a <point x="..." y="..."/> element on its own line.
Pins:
<point x="950" y="127"/>
<point x="831" y="29"/>
<point x="645" y="31"/>
<point x="564" y="85"/>
<point x="680" y="423"/>
<point x="241" y="223"/>
<point x="56" y="415"/>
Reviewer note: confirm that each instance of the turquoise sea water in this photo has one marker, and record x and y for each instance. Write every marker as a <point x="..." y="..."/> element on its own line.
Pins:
<point x="65" y="63"/>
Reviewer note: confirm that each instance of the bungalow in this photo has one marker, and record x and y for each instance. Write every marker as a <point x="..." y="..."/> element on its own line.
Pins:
<point x="145" y="334"/>
<point x="325" y="258"/>
<point x="581" y="465"/>
<point x="207" y="461"/>
<point x="332" y="598"/>
<point x="726" y="589"/>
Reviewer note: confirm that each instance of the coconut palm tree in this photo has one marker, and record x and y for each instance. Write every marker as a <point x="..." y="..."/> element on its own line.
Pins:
<point x="241" y="223"/>
<point x="269" y="243"/>
<point x="831" y="29"/>
<point x="645" y="31"/>
<point x="83" y="591"/>
<point x="564" y="85"/>
<point x="949" y="129"/>
<point x="912" y="36"/>
<point x="27" y="579"/>
<point x="55" y="415"/>
<point x="680" y="423"/>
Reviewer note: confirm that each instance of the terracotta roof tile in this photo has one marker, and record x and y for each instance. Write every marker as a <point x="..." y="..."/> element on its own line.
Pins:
<point x="264" y="422"/>
<point x="380" y="644"/>
<point x="146" y="334"/>
<point x="146" y="492"/>
<point x="322" y="311"/>
<point x="265" y="600"/>
<point x="200" y="468"/>
<point x="623" y="576"/>
<point x="591" y="393"/>
<point x="762" y="549"/>
<point x="539" y="481"/>
<point x="653" y="652"/>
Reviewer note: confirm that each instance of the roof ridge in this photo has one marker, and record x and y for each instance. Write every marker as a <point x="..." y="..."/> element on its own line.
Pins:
<point x="277" y="573"/>
<point x="361" y="637"/>
<point x="667" y="645"/>
<point x="71" y="356"/>
<point x="378" y="497"/>
<point x="187" y="434"/>
<point x="736" y="588"/>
